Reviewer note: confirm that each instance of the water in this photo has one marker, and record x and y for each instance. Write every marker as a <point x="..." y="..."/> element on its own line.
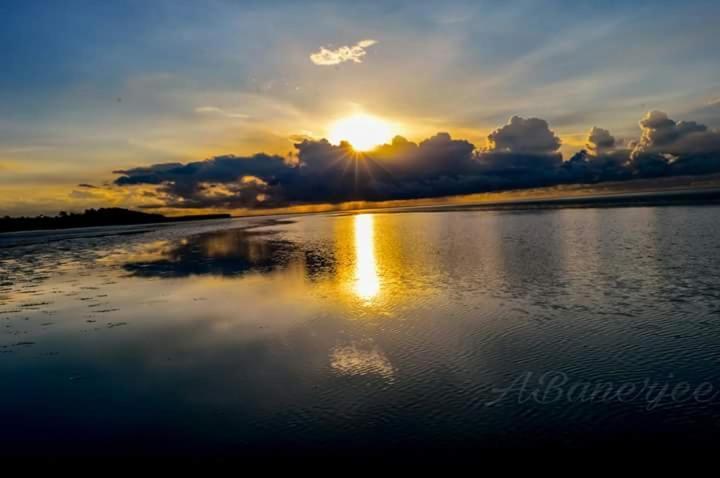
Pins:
<point x="361" y="333"/>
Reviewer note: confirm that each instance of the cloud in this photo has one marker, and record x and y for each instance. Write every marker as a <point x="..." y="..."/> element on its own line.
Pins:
<point x="327" y="57"/>
<point x="522" y="135"/>
<point x="327" y="173"/>
<point x="214" y="110"/>
<point x="319" y="173"/>
<point x="667" y="147"/>
<point x="523" y="153"/>
<point x="601" y="161"/>
<point x="660" y="134"/>
<point x="600" y="139"/>
<point x="75" y="194"/>
<point x="25" y="149"/>
<point x="660" y="131"/>
<point x="223" y="181"/>
<point x="399" y="170"/>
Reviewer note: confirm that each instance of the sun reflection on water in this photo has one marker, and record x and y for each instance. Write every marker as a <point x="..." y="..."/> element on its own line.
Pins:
<point x="367" y="281"/>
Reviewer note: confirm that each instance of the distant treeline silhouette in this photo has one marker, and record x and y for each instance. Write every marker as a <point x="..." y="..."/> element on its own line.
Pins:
<point x="92" y="218"/>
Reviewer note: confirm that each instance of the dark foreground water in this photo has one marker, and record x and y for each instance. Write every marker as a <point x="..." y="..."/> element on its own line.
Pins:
<point x="364" y="333"/>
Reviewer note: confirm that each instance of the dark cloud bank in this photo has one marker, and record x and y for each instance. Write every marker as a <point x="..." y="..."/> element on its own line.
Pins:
<point x="521" y="154"/>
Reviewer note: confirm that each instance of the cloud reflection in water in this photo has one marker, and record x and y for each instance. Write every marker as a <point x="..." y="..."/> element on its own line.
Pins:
<point x="361" y="359"/>
<point x="223" y="253"/>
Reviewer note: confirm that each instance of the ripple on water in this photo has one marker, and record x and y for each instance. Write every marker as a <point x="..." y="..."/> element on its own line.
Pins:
<point x="267" y="329"/>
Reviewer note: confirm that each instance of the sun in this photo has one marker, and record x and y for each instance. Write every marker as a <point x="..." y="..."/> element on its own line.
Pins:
<point x="363" y="132"/>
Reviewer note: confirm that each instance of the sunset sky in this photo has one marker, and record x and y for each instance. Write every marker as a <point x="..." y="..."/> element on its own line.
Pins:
<point x="96" y="96"/>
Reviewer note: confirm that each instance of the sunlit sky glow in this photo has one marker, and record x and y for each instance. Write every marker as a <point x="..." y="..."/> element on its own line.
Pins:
<point x="363" y="132"/>
<point x="88" y="88"/>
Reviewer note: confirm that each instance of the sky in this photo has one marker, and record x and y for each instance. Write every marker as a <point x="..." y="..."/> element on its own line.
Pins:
<point x="97" y="98"/>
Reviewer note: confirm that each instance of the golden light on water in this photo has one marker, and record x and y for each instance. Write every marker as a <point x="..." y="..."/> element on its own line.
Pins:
<point x="361" y="359"/>
<point x="363" y="132"/>
<point x="367" y="281"/>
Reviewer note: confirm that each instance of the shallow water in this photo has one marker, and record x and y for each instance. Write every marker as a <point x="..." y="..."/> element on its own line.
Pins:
<point x="366" y="332"/>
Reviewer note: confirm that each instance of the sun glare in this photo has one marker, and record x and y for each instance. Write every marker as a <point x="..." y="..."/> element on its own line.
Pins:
<point x="362" y="131"/>
<point x="367" y="282"/>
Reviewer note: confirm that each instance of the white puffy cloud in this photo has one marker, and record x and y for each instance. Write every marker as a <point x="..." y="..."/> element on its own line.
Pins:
<point x="328" y="57"/>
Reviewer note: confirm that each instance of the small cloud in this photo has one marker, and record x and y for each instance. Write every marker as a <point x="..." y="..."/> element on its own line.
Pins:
<point x="75" y="194"/>
<point x="86" y="186"/>
<point x="214" y="110"/>
<point x="600" y="139"/>
<point x="25" y="149"/>
<point x="327" y="57"/>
